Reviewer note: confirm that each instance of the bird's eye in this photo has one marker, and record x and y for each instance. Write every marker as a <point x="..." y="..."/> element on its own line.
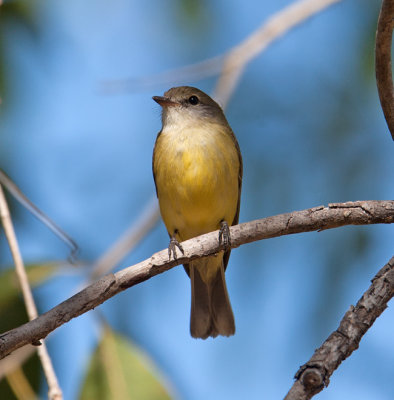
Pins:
<point x="193" y="100"/>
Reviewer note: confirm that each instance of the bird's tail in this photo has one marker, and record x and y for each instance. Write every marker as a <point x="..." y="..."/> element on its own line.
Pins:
<point x="211" y="313"/>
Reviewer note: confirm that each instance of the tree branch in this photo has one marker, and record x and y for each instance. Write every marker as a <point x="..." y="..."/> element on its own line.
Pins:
<point x="312" y="377"/>
<point x="384" y="79"/>
<point x="318" y="218"/>
<point x="276" y="26"/>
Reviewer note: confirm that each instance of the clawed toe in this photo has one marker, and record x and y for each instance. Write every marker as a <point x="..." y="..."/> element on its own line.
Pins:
<point x="224" y="234"/>
<point x="172" y="248"/>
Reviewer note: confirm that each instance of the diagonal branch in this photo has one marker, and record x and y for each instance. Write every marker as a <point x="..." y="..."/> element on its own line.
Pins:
<point x="318" y="218"/>
<point x="275" y="27"/>
<point x="384" y="79"/>
<point x="312" y="377"/>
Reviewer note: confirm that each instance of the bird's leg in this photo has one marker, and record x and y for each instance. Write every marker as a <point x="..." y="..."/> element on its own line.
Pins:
<point x="173" y="245"/>
<point x="224" y="234"/>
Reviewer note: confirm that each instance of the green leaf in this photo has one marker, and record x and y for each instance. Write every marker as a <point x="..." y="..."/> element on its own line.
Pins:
<point x="119" y="370"/>
<point x="9" y="286"/>
<point x="16" y="14"/>
<point x="13" y="313"/>
<point x="31" y="371"/>
<point x="12" y="309"/>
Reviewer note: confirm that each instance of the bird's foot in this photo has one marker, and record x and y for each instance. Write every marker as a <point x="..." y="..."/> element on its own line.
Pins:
<point x="224" y="234"/>
<point x="172" y="248"/>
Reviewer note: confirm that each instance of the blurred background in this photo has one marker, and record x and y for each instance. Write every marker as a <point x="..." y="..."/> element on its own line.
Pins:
<point x="308" y="120"/>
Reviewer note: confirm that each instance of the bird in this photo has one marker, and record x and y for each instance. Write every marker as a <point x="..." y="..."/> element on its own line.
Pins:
<point x="197" y="169"/>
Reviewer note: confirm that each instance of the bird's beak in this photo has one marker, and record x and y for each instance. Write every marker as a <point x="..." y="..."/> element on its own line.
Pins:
<point x="165" y="101"/>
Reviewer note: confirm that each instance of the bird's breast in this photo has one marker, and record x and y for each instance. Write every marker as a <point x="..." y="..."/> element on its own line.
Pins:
<point x="196" y="172"/>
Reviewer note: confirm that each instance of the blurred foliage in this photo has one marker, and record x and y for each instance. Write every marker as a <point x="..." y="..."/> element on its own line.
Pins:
<point x="343" y="259"/>
<point x="368" y="44"/>
<point x="194" y="17"/>
<point x="10" y="291"/>
<point x="118" y="370"/>
<point x="31" y="371"/>
<point x="13" y="313"/>
<point x="20" y="13"/>
<point x="191" y="11"/>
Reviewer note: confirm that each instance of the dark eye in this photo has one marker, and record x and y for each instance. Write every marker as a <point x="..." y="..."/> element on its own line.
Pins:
<point x="193" y="100"/>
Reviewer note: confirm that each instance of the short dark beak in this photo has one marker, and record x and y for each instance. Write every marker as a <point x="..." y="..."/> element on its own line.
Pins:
<point x="164" y="101"/>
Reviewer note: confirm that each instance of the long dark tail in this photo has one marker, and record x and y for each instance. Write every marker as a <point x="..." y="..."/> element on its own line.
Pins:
<point x="211" y="313"/>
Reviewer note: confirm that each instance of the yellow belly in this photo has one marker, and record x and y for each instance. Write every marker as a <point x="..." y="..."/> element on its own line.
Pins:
<point x="196" y="173"/>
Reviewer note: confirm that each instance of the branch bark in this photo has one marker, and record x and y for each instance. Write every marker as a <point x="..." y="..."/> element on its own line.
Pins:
<point x="312" y="377"/>
<point x="384" y="79"/>
<point x="318" y="218"/>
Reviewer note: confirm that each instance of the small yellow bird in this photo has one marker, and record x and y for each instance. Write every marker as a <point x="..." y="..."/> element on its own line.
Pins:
<point x="197" y="168"/>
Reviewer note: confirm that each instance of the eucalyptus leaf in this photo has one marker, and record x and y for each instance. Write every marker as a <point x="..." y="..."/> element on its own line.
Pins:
<point x="9" y="285"/>
<point x="12" y="314"/>
<point x="119" y="370"/>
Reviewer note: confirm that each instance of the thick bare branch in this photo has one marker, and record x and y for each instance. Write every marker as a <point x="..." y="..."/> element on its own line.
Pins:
<point x="384" y="77"/>
<point x="318" y="218"/>
<point x="312" y="377"/>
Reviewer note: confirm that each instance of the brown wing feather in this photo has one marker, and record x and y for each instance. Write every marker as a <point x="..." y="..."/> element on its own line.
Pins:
<point x="153" y="162"/>
<point x="236" y="218"/>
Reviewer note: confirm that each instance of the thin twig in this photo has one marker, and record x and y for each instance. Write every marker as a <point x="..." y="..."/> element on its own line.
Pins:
<point x="54" y="392"/>
<point x="10" y="185"/>
<point x="384" y="79"/>
<point x="312" y="377"/>
<point x="125" y="244"/>
<point x="188" y="73"/>
<point x="318" y="218"/>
